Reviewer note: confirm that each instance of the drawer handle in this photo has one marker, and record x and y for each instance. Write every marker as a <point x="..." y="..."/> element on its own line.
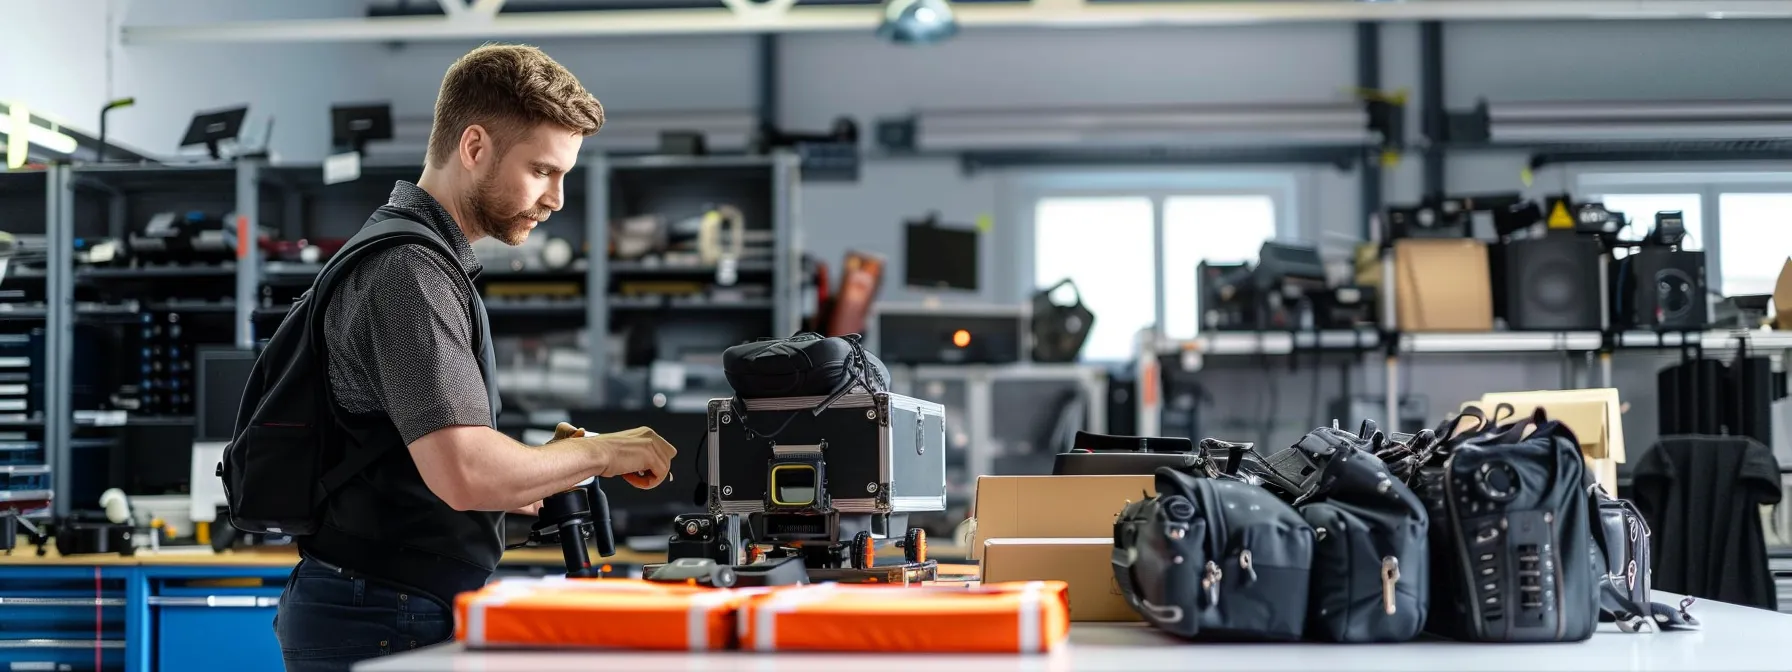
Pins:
<point x="61" y="601"/>
<point x="250" y="601"/>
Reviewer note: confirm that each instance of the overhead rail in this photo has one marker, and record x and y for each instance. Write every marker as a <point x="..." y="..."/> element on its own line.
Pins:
<point x="485" y="20"/>
<point x="1620" y="121"/>
<point x="624" y="132"/>
<point x="1206" y="133"/>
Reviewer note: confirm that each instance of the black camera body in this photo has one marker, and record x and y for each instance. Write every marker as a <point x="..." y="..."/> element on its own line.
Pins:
<point x="705" y="536"/>
<point x="832" y="482"/>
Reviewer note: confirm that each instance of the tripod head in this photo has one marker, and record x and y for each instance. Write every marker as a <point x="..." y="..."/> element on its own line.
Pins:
<point x="576" y="518"/>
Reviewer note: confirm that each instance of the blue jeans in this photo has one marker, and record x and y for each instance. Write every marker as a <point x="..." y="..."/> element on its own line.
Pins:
<point x="327" y="622"/>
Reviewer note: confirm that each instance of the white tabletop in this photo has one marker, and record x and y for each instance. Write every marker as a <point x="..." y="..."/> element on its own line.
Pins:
<point x="1731" y="638"/>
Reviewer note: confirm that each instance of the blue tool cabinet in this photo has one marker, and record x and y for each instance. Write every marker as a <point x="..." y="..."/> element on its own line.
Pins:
<point x="139" y="618"/>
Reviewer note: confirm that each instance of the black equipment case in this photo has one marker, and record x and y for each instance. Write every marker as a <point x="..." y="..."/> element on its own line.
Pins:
<point x="875" y="454"/>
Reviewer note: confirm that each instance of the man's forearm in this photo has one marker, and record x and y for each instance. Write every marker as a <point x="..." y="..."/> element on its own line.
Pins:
<point x="481" y="469"/>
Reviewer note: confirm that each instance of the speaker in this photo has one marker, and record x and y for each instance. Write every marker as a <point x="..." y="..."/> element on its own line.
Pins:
<point x="1660" y="288"/>
<point x="1551" y="283"/>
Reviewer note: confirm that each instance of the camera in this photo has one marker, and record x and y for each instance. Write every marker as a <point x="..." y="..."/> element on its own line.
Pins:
<point x="705" y="536"/>
<point x="828" y="485"/>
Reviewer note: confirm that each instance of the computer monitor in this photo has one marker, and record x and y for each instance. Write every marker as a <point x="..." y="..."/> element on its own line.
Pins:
<point x="939" y="257"/>
<point x="352" y="126"/>
<point x="222" y="372"/>
<point x="213" y="127"/>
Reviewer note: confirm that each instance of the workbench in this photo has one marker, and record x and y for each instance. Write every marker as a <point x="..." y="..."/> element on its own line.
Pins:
<point x="1732" y="638"/>
<point x="175" y="610"/>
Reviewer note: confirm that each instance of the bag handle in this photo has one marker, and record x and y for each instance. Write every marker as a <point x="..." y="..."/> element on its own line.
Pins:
<point x="1074" y="290"/>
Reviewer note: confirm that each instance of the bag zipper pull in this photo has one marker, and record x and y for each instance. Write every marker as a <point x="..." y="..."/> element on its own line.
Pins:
<point x="1390" y="575"/>
<point x="1211" y="583"/>
<point x="1244" y="563"/>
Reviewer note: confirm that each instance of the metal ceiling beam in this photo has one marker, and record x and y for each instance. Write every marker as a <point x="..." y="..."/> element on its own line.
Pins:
<point x="1071" y="14"/>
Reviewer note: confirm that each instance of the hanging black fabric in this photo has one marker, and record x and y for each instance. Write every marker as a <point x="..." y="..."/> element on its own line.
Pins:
<point x="1701" y="496"/>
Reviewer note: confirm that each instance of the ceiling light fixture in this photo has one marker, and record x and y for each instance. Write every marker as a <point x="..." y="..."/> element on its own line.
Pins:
<point x="917" y="21"/>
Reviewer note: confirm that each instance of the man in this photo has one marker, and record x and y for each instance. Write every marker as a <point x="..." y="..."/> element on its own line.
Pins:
<point x="422" y="524"/>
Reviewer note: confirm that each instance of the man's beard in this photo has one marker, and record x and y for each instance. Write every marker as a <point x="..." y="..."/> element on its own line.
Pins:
<point x="510" y="227"/>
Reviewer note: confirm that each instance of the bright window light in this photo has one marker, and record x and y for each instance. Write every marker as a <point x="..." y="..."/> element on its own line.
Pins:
<point x="1757" y="238"/>
<point x="1105" y="245"/>
<point x="1213" y="229"/>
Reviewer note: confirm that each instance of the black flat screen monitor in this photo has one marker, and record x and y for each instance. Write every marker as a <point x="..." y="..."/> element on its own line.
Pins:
<point x="213" y="127"/>
<point x="222" y="374"/>
<point x="940" y="257"/>
<point x="352" y="126"/>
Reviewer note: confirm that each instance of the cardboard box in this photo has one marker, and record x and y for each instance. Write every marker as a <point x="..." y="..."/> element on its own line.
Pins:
<point x="1442" y="284"/>
<point x="1594" y="415"/>
<point x="1085" y="564"/>
<point x="1782" y="298"/>
<point x="1055" y="507"/>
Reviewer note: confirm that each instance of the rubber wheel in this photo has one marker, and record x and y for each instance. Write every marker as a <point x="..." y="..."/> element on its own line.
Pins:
<point x="864" y="553"/>
<point x="914" y="545"/>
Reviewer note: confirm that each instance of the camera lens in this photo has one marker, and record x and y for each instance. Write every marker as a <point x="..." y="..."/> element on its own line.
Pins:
<point x="794" y="484"/>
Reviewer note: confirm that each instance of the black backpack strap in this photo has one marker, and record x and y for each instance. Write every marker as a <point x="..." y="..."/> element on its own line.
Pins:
<point x="384" y="231"/>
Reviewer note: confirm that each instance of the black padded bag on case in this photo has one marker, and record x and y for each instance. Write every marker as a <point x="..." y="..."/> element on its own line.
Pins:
<point x="805" y="365"/>
<point x="1214" y="559"/>
<point x="1510" y="537"/>
<point x="1371" y="558"/>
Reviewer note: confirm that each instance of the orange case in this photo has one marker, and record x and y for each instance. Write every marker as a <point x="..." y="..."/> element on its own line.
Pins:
<point x="598" y="613"/>
<point x="1015" y="617"/>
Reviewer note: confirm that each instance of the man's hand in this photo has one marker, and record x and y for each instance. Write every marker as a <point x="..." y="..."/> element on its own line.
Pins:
<point x="640" y="456"/>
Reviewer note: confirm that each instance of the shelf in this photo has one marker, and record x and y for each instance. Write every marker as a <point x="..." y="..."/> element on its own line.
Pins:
<point x="1502" y="341"/>
<point x="24" y="495"/>
<point x="535" y="310"/>
<point x="24" y="469"/>
<point x="665" y="161"/>
<point x="124" y="418"/>
<point x="1273" y="342"/>
<point x="656" y="303"/>
<point x="141" y="272"/>
<point x="655" y="268"/>
<point x="1710" y="340"/>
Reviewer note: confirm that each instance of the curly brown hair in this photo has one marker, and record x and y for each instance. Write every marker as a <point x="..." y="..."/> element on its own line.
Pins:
<point x="508" y="89"/>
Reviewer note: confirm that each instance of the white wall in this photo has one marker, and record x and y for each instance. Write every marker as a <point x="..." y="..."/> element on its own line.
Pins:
<point x="56" y="65"/>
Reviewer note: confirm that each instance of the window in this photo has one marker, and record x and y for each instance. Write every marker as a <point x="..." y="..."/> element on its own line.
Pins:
<point x="1108" y="248"/>
<point x="1108" y="244"/>
<point x="1757" y="238"/>
<point x="1207" y="228"/>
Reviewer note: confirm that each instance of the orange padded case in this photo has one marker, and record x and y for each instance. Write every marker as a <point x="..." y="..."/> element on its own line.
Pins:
<point x="598" y="613"/>
<point x="1016" y="617"/>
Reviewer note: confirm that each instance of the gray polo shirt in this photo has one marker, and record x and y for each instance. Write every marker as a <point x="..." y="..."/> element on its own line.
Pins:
<point x="399" y="335"/>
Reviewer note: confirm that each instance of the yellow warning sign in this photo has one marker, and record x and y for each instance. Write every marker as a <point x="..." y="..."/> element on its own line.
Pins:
<point x="1558" y="217"/>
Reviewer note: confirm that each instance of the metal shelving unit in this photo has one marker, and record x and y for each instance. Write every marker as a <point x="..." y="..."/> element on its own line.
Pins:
<point x="243" y="187"/>
<point x="605" y="204"/>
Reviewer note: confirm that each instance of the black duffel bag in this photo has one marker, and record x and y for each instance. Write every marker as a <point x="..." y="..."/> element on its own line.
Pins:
<point x="805" y="365"/>
<point x="1511" y="556"/>
<point x="1371" y="561"/>
<point x="1214" y="559"/>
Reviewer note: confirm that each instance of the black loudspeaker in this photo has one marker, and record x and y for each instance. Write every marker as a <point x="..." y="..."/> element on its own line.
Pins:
<point x="1552" y="283"/>
<point x="1660" y="288"/>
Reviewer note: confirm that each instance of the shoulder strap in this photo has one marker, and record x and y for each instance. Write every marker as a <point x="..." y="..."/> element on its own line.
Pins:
<point x="384" y="231"/>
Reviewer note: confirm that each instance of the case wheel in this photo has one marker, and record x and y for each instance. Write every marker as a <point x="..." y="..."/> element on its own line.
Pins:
<point x="863" y="551"/>
<point x="914" y="545"/>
